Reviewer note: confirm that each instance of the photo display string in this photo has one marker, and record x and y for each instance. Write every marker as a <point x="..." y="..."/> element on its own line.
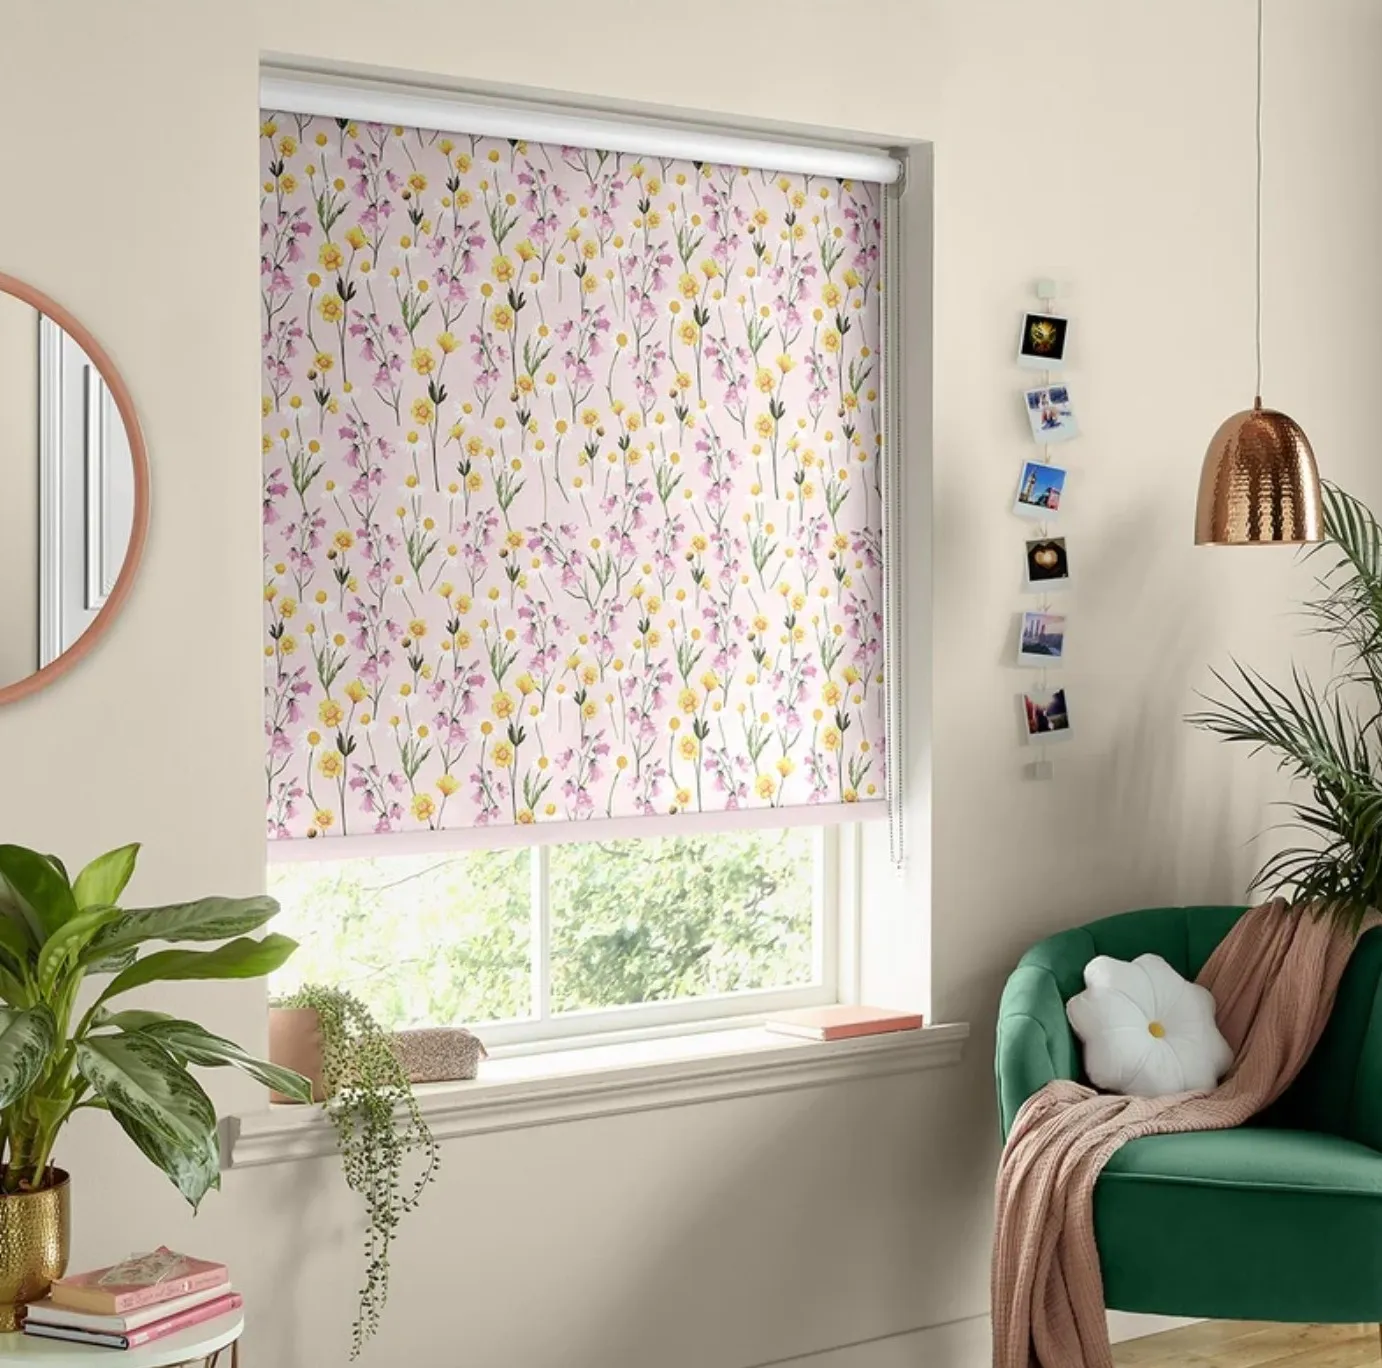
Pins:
<point x="1040" y="496"/>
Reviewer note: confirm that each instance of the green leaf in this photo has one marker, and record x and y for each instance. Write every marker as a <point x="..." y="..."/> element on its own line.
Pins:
<point x="70" y="939"/>
<point x="104" y="879"/>
<point x="194" y="1168"/>
<point x="26" y="1042"/>
<point x="110" y="964"/>
<point x="237" y="959"/>
<point x="41" y="894"/>
<point x="138" y="1076"/>
<point x="187" y="1041"/>
<point x="16" y="939"/>
<point x="207" y="919"/>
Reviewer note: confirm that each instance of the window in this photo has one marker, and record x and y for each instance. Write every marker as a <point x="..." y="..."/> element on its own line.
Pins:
<point x="571" y="939"/>
<point x="579" y="494"/>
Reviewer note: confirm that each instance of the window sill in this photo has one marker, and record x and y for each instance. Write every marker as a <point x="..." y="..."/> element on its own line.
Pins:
<point x="606" y="1080"/>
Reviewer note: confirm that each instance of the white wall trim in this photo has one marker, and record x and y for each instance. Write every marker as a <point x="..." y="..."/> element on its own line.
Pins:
<point x="730" y="1064"/>
<point x="955" y="1344"/>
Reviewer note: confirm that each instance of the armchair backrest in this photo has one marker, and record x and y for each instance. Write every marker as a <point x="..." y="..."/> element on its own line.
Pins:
<point x="1339" y="1090"/>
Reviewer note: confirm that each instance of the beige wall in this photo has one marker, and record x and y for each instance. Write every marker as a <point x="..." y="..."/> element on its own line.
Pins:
<point x="18" y="490"/>
<point x="1107" y="145"/>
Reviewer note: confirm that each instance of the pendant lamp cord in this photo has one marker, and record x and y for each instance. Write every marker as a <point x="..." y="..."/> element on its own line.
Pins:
<point x="1258" y="278"/>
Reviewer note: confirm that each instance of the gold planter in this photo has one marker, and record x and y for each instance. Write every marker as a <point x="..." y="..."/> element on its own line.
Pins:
<point x="35" y="1232"/>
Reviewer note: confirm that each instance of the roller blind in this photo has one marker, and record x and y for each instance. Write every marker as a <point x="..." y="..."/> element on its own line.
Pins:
<point x="572" y="501"/>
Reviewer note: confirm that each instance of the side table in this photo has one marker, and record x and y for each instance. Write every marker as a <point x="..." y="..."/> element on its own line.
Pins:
<point x="204" y="1345"/>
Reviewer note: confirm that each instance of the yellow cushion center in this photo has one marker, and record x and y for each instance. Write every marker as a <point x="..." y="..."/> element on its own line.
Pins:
<point x="1156" y="1028"/>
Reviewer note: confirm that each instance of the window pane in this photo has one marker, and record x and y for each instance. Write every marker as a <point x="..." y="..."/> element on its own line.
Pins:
<point x="680" y="917"/>
<point x="423" y="940"/>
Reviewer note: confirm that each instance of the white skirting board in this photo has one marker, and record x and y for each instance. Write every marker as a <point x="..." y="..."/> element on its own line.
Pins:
<point x="957" y="1344"/>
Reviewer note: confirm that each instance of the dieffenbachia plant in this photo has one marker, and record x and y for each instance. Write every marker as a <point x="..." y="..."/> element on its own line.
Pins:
<point x="58" y="1056"/>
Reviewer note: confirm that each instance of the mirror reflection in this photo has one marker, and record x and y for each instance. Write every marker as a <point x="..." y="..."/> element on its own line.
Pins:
<point x="67" y="490"/>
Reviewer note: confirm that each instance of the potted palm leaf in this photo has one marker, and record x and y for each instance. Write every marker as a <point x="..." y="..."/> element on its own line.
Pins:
<point x="1329" y="737"/>
<point x="56" y="1059"/>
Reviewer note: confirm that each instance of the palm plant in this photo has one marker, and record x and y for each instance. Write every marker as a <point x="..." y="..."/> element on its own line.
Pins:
<point x="56" y="934"/>
<point x="1329" y="738"/>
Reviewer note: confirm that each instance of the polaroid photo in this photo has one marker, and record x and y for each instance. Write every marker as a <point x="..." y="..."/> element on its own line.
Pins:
<point x="1039" y="490"/>
<point x="1047" y="566"/>
<point x="1050" y="414"/>
<point x="1041" y="642"/>
<point x="1044" y="716"/>
<point x="1042" y="345"/>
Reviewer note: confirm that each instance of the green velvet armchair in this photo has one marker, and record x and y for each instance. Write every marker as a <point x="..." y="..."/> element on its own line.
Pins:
<point x="1278" y="1220"/>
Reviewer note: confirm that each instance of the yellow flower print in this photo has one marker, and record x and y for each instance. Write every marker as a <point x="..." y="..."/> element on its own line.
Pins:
<point x="525" y="816"/>
<point x="446" y="343"/>
<point x="830" y="739"/>
<point x="764" y="425"/>
<point x="422" y="410"/>
<point x="287" y="146"/>
<point x="417" y="628"/>
<point x="683" y="797"/>
<point x="526" y="684"/>
<point x="502" y="317"/>
<point x="502" y="754"/>
<point x="831" y="694"/>
<point x="689" y="285"/>
<point x="331" y="765"/>
<point x="830" y="340"/>
<point x="356" y="691"/>
<point x="417" y="182"/>
<point x="287" y="607"/>
<point x="343" y="540"/>
<point x="331" y="309"/>
<point x="313" y="280"/>
<point x="760" y="218"/>
<point x="590" y="709"/>
<point x="785" y="766"/>
<point x="526" y="251"/>
<point x="688" y="747"/>
<point x="689" y="333"/>
<point x="314" y="738"/>
<point x="503" y="269"/>
<point x="765" y="786"/>
<point x="688" y="700"/>
<point x="323" y="819"/>
<point x="330" y="256"/>
<point x="330" y="712"/>
<point x="355" y="236"/>
<point x="323" y="361"/>
<point x="423" y="361"/>
<point x="503" y="705"/>
<point x="765" y="380"/>
<point x="423" y="807"/>
<point x="447" y="785"/>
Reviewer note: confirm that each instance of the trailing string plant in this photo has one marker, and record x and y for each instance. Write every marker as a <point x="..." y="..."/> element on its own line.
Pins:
<point x="1329" y="738"/>
<point x="378" y="1126"/>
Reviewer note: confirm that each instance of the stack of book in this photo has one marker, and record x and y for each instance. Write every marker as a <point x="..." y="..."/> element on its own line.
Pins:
<point x="138" y="1300"/>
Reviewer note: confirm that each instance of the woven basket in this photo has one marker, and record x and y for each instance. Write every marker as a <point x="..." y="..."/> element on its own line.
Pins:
<point x="439" y="1054"/>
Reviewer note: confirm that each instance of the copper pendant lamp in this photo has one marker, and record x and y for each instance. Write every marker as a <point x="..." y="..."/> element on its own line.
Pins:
<point x="1259" y="485"/>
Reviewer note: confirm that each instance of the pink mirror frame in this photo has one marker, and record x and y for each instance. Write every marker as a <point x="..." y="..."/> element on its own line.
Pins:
<point x="139" y="528"/>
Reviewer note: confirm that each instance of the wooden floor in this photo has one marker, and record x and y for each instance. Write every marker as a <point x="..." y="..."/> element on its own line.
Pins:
<point x="1254" y="1344"/>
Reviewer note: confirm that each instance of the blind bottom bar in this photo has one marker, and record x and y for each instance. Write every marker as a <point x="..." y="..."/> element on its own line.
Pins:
<point x="380" y="845"/>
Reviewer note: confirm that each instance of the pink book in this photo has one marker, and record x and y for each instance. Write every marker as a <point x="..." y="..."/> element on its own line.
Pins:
<point x="46" y="1313"/>
<point x="132" y="1339"/>
<point x="842" y="1022"/>
<point x="138" y="1281"/>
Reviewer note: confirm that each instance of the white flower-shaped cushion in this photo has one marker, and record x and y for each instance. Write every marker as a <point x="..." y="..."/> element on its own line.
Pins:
<point x="1147" y="1031"/>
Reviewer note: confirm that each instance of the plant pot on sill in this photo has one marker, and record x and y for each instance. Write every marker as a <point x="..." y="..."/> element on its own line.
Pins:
<point x="35" y="1233"/>
<point x="295" y="1042"/>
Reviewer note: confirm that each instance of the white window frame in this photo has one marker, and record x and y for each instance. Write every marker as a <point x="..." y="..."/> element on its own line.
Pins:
<point x="835" y="923"/>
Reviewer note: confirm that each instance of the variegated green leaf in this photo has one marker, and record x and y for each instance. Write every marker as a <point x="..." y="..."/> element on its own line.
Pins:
<point x="209" y="919"/>
<point x="104" y="879"/>
<point x="189" y="1042"/>
<point x="194" y="1168"/>
<point x="69" y="940"/>
<point x="138" y="1076"/>
<point x="26" y="1042"/>
<point x="236" y="959"/>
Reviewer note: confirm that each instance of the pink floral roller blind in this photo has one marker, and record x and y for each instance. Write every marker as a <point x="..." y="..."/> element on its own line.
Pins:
<point x="571" y="484"/>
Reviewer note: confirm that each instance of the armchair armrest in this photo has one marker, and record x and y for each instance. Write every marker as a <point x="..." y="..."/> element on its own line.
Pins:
<point x="1035" y="1043"/>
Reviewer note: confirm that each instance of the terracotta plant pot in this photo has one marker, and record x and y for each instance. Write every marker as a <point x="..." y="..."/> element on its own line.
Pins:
<point x="35" y="1233"/>
<point x="295" y="1042"/>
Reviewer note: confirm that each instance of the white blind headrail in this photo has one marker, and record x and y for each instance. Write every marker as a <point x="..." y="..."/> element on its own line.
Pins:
<point x="344" y="99"/>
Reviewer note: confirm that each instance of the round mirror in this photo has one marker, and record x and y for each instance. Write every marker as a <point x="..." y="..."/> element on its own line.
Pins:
<point x="74" y="490"/>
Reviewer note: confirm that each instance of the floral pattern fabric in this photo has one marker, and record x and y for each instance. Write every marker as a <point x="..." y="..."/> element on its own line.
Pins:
<point x="571" y="483"/>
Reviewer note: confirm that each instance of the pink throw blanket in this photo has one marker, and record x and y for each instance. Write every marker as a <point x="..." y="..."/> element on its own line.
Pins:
<point x="1274" y="978"/>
